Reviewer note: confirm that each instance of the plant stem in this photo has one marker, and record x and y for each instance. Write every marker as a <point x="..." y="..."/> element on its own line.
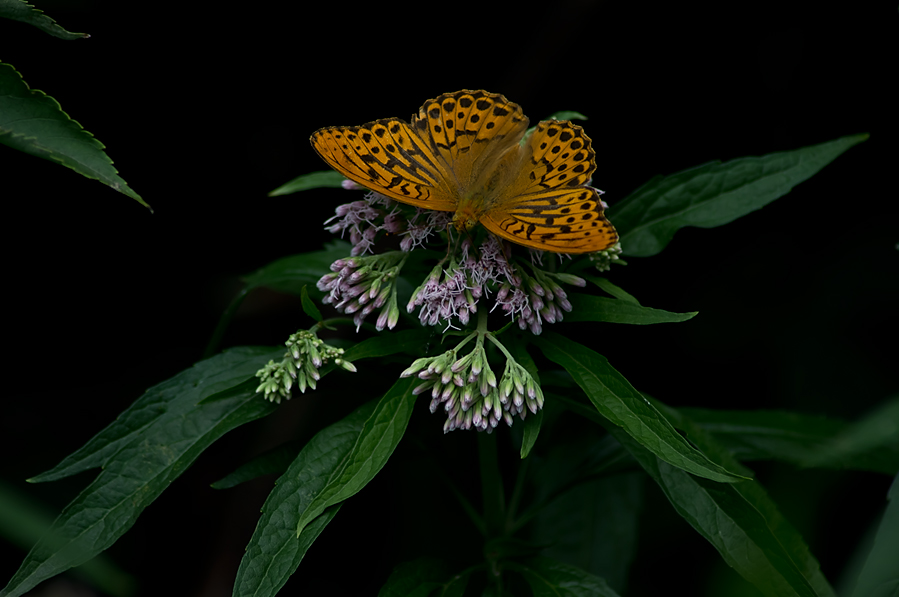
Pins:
<point x="491" y="485"/>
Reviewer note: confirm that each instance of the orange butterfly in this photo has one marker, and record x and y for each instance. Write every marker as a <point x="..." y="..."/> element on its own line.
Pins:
<point x="463" y="153"/>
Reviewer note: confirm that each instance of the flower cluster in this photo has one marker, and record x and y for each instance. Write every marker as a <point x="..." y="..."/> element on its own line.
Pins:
<point x="305" y="355"/>
<point x="468" y="389"/>
<point x="360" y="285"/>
<point x="475" y="268"/>
<point x="364" y="219"/>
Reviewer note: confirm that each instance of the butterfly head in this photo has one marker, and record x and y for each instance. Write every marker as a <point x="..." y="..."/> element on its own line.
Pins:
<point x="464" y="219"/>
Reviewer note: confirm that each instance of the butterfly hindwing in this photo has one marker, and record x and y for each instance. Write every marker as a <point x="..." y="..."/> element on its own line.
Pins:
<point x="562" y="221"/>
<point x="559" y="155"/>
<point x="549" y="206"/>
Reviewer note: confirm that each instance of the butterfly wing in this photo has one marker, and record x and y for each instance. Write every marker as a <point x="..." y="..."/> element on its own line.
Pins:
<point x="468" y="132"/>
<point x="548" y="205"/>
<point x="388" y="157"/>
<point x="453" y="140"/>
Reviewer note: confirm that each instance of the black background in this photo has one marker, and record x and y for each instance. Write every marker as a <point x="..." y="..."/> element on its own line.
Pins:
<point x="204" y="112"/>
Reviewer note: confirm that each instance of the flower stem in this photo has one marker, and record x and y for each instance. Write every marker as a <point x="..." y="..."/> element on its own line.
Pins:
<point x="491" y="485"/>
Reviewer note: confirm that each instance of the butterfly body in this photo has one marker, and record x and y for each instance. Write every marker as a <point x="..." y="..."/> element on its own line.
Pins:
<point x="463" y="153"/>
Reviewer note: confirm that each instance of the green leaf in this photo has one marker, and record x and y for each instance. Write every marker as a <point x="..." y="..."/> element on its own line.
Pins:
<point x="34" y="122"/>
<point x="420" y="578"/>
<point x="803" y="440"/>
<point x="875" y="436"/>
<point x="274" y="552"/>
<point x="23" y="522"/>
<point x="714" y="194"/>
<point x="595" y="523"/>
<point x="567" y="115"/>
<point x="533" y="422"/>
<point x="327" y="179"/>
<point x="309" y="307"/>
<point x="619" y="402"/>
<point x="531" y="431"/>
<point x="291" y="274"/>
<point x="274" y="461"/>
<point x="175" y="397"/>
<point x="738" y="519"/>
<point x="612" y="289"/>
<point x="549" y="578"/>
<point x="586" y="307"/>
<point x="141" y="453"/>
<point x="18" y="10"/>
<point x="880" y="575"/>
<point x="373" y="447"/>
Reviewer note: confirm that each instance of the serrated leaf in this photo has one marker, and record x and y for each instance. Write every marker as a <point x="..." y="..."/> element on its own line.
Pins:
<point x="34" y="122"/>
<point x="738" y="519"/>
<point x="18" y="10"/>
<point x="326" y="179"/>
<point x="549" y="578"/>
<point x="309" y="307"/>
<point x="141" y="454"/>
<point x="619" y="402"/>
<point x="714" y="194"/>
<point x="274" y="551"/>
<point x="374" y="445"/>
<point x="586" y="307"/>
<point x="291" y="274"/>
<point x="177" y="395"/>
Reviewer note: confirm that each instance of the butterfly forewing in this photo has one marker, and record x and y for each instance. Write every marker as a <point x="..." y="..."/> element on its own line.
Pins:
<point x="469" y="130"/>
<point x="383" y="156"/>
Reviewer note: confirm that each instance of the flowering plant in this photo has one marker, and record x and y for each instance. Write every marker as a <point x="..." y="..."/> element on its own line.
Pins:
<point x="482" y="334"/>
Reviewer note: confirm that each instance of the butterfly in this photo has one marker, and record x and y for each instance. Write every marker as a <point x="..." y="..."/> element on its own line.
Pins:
<point x="463" y="152"/>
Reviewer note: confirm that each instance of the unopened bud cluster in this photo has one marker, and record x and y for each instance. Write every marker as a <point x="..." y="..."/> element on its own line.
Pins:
<point x="602" y="260"/>
<point x="537" y="298"/>
<point x="305" y="355"/>
<point x="468" y="389"/>
<point x="358" y="286"/>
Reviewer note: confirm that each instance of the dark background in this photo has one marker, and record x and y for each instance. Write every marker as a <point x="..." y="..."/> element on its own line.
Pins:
<point x="205" y="112"/>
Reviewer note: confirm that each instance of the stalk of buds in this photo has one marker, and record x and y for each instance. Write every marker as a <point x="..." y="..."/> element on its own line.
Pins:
<point x="468" y="388"/>
<point x="361" y="285"/>
<point x="305" y="355"/>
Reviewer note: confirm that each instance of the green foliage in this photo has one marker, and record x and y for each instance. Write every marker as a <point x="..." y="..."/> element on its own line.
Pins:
<point x="315" y="180"/>
<point x="34" y="122"/>
<point x="18" y="10"/>
<point x="572" y="489"/>
<point x="714" y="194"/>
<point x="141" y="453"/>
